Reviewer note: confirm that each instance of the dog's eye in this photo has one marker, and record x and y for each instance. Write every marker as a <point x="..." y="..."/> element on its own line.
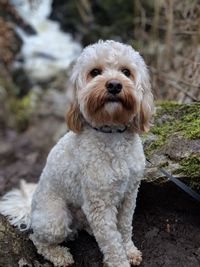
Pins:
<point x="126" y="72"/>
<point x="95" y="72"/>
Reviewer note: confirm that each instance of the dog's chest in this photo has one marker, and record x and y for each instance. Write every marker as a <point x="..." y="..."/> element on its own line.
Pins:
<point x="124" y="176"/>
<point x="112" y="165"/>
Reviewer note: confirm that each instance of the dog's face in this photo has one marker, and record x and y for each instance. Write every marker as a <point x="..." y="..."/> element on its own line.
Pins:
<point x="111" y="87"/>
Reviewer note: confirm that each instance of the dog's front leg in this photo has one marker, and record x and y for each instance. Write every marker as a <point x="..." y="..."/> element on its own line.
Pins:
<point x="103" y="222"/>
<point x="125" y="217"/>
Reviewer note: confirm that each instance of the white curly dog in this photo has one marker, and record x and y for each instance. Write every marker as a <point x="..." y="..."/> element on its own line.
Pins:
<point x="92" y="174"/>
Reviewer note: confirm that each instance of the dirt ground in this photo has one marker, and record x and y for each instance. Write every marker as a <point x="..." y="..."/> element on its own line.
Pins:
<point x="166" y="229"/>
<point x="166" y="223"/>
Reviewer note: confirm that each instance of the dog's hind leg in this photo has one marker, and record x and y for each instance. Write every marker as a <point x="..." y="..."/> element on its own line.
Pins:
<point x="51" y="220"/>
<point x="51" y="227"/>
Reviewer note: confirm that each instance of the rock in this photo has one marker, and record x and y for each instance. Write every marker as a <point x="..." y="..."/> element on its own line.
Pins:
<point x="53" y="102"/>
<point x="174" y="143"/>
<point x="16" y="249"/>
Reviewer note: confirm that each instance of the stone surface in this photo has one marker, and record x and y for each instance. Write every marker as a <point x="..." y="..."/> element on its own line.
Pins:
<point x="16" y="249"/>
<point x="174" y="143"/>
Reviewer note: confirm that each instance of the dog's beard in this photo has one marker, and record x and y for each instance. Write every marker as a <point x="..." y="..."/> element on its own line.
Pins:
<point x="102" y="108"/>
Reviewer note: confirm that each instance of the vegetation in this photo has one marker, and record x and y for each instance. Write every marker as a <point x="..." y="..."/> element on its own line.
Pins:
<point x="175" y="141"/>
<point x="172" y="118"/>
<point x="21" y="110"/>
<point x="190" y="167"/>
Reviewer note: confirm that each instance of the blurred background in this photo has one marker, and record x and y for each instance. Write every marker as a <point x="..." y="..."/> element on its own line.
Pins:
<point x="39" y="40"/>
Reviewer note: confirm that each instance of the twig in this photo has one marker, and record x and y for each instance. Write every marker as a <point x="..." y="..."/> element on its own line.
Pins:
<point x="174" y="83"/>
<point x="172" y="79"/>
<point x="189" y="60"/>
<point x="179" y="88"/>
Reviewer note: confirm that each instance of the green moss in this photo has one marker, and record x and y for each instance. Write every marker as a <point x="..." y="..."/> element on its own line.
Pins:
<point x="172" y="118"/>
<point x="190" y="167"/>
<point x="169" y="106"/>
<point x="21" y="109"/>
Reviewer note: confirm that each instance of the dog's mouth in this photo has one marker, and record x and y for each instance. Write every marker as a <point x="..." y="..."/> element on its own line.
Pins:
<point x="125" y="103"/>
<point x="112" y="99"/>
<point x="118" y="99"/>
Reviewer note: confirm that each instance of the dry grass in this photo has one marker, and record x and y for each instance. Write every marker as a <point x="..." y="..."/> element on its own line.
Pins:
<point x="172" y="47"/>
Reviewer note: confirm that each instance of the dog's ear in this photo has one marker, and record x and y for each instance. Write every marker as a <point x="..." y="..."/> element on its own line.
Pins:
<point x="146" y="111"/>
<point x="146" y="105"/>
<point x="74" y="118"/>
<point x="73" y="115"/>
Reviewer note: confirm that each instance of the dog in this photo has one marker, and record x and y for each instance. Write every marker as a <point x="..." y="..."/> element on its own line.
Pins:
<point x="93" y="173"/>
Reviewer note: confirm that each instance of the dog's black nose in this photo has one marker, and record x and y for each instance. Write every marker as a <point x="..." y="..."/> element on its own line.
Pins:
<point x="114" y="87"/>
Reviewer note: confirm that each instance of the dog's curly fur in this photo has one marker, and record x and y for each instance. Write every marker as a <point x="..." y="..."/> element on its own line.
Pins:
<point x="91" y="178"/>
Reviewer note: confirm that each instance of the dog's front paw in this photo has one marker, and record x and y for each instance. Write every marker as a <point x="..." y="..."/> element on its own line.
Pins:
<point x="134" y="256"/>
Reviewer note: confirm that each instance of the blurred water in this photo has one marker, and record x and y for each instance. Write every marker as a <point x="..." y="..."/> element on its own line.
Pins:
<point x="50" y="50"/>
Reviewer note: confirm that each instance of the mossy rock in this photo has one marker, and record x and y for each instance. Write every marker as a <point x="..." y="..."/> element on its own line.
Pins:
<point x="15" y="110"/>
<point x="174" y="142"/>
<point x="21" y="110"/>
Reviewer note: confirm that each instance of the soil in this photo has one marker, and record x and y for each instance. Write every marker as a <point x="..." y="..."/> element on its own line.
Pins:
<point x="166" y="222"/>
<point x="166" y="229"/>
